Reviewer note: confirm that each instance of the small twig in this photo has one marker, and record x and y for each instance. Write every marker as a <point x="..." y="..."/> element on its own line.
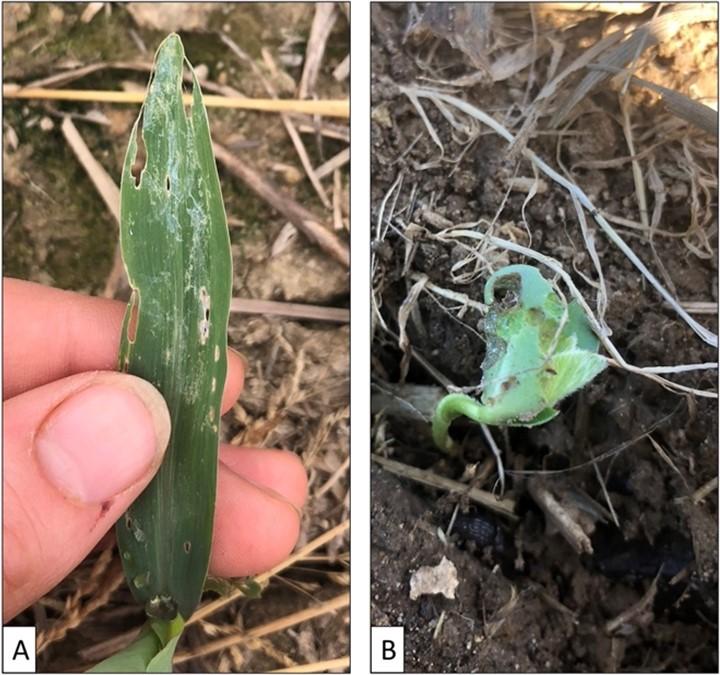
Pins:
<point x="556" y="604"/>
<point x="322" y="25"/>
<point x="336" y="108"/>
<point x="67" y="76"/>
<point x="304" y="220"/>
<point x="601" y="302"/>
<point x="612" y="452"/>
<point x="102" y="650"/>
<point x="337" y="200"/>
<point x="100" y="178"/>
<point x="336" y="476"/>
<point x="138" y="41"/>
<point x="505" y="506"/>
<point x="704" y="490"/>
<point x="667" y="459"/>
<point x="406" y="401"/>
<point x="326" y="537"/>
<point x="105" y="576"/>
<point x="286" y="120"/>
<point x="305" y="160"/>
<point x="635" y="163"/>
<point x="678" y="104"/>
<point x="463" y="299"/>
<point x="634" y="611"/>
<point x="699" y="307"/>
<point x="332" y="605"/>
<point x="305" y="125"/>
<point x="318" y="666"/>
<point x="429" y="367"/>
<point x="342" y="70"/>
<point x="291" y="310"/>
<point x="109" y="192"/>
<point x="553" y="509"/>
<point x="498" y="456"/>
<point x="609" y="7"/>
<point x="606" y="494"/>
<point x="342" y="158"/>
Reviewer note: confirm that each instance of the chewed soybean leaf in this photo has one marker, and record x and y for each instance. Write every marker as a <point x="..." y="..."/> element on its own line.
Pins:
<point x="539" y="349"/>
<point x="176" y="251"/>
<point x="573" y="369"/>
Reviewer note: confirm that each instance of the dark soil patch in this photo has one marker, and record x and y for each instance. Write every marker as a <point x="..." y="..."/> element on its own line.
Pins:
<point x="526" y="601"/>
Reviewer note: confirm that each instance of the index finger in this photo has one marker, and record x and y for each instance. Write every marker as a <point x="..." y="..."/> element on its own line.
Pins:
<point x="49" y="334"/>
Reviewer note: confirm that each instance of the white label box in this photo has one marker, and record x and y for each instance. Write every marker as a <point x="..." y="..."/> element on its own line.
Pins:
<point x="388" y="649"/>
<point x="18" y="649"/>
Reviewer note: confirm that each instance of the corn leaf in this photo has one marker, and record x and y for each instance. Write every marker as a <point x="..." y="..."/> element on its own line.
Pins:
<point x="176" y="250"/>
<point x="151" y="652"/>
<point x="134" y="658"/>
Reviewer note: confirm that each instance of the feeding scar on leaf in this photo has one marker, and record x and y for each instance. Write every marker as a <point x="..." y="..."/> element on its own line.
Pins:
<point x="539" y="349"/>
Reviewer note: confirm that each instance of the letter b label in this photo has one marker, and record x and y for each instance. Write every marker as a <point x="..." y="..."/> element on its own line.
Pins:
<point x="387" y="649"/>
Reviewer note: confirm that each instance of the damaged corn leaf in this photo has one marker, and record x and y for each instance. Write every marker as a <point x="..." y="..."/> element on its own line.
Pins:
<point x="176" y="251"/>
<point x="538" y="351"/>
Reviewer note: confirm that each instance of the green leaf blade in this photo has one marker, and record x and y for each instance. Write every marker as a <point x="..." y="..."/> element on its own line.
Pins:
<point x="132" y="659"/>
<point x="151" y="651"/>
<point x="176" y="251"/>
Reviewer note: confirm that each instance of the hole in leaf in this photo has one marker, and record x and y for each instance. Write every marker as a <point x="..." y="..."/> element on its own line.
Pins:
<point x="187" y="546"/>
<point x="167" y="183"/>
<point x="161" y="607"/>
<point x="133" y="320"/>
<point x="188" y="87"/>
<point x="140" y="154"/>
<point x="205" y="321"/>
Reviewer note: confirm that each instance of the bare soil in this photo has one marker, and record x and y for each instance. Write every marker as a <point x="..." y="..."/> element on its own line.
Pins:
<point x="526" y="601"/>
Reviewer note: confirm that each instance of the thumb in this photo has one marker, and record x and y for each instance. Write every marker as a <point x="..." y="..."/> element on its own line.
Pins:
<point x="76" y="454"/>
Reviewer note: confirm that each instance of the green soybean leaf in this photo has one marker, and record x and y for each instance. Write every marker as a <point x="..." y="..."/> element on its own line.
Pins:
<point x="176" y="251"/>
<point x="538" y="351"/>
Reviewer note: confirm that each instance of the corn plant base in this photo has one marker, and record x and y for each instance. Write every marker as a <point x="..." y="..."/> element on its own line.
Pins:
<point x="151" y="652"/>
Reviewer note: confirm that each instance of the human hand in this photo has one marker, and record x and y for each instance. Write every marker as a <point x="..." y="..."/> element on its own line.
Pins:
<point x="81" y="441"/>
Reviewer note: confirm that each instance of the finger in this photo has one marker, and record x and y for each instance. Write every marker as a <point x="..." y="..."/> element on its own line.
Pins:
<point x="234" y="381"/>
<point x="278" y="470"/>
<point x="255" y="526"/>
<point x="49" y="334"/>
<point x="76" y="453"/>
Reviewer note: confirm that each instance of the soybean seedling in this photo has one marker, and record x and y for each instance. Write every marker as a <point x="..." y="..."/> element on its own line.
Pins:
<point x="539" y="350"/>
